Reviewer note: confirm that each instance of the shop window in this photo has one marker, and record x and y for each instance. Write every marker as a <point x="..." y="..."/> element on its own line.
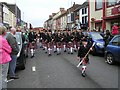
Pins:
<point x="111" y="2"/>
<point x="98" y="4"/>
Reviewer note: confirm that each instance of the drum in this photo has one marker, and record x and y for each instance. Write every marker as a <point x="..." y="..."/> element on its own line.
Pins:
<point x="69" y="45"/>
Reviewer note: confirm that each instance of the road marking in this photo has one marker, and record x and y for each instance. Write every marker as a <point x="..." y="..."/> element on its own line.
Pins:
<point x="34" y="69"/>
<point x="10" y="80"/>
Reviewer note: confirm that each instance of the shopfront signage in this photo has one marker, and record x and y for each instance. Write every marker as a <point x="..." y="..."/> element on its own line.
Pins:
<point x="116" y="10"/>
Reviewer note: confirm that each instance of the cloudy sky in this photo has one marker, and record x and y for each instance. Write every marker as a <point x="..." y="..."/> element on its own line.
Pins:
<point x="37" y="11"/>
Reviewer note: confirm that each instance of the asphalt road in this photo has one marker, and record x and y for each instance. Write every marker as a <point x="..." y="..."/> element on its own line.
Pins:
<point x="61" y="72"/>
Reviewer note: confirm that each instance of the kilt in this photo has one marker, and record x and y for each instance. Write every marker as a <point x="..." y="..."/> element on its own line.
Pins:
<point x="59" y="44"/>
<point x="32" y="44"/>
<point x="69" y="44"/>
<point x="49" y="45"/>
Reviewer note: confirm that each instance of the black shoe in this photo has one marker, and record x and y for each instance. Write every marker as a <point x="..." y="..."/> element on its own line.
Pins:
<point x="32" y="56"/>
<point x="68" y="53"/>
<point x="43" y="48"/>
<point x="45" y="52"/>
<point x="65" y="51"/>
<point x="55" y="51"/>
<point x="75" y="50"/>
<point x="71" y="53"/>
<point x="15" y="77"/>
<point x="83" y="74"/>
<point x="49" y="55"/>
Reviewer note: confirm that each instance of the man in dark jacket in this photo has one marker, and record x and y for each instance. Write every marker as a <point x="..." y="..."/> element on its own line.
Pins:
<point x="15" y="50"/>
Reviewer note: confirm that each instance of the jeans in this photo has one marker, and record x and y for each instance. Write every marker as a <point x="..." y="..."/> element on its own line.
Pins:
<point x="3" y="75"/>
<point x="12" y="65"/>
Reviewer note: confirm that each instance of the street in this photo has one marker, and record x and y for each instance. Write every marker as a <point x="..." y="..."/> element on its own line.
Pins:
<point x="60" y="71"/>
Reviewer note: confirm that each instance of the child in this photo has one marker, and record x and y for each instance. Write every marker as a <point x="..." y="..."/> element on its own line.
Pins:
<point x="84" y="48"/>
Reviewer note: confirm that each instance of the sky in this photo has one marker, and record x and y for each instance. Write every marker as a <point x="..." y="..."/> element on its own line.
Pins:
<point x="38" y="11"/>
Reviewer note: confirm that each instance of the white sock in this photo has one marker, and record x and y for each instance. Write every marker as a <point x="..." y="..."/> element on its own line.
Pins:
<point x="75" y="47"/>
<point x="83" y="68"/>
<point x="49" y="50"/>
<point x="54" y="47"/>
<point x="46" y="49"/>
<point x="64" y="46"/>
<point x="71" y="49"/>
<point x="32" y="52"/>
<point x="58" y="50"/>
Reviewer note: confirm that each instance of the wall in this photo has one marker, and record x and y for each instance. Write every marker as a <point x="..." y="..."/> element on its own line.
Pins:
<point x="0" y="13"/>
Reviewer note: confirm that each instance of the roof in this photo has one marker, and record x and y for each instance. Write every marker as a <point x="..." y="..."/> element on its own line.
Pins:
<point x="82" y="6"/>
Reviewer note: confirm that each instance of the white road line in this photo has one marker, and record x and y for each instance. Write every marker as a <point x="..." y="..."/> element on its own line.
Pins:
<point x="34" y="69"/>
<point x="10" y="80"/>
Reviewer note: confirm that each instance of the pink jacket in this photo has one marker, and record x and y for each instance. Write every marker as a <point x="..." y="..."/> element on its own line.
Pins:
<point x="114" y="30"/>
<point x="5" y="51"/>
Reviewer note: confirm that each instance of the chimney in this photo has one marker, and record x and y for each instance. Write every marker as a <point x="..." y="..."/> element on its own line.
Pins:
<point x="50" y="16"/>
<point x="62" y="9"/>
<point x="74" y="4"/>
<point x="53" y="14"/>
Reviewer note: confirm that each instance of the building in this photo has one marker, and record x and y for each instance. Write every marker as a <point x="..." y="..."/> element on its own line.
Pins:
<point x="61" y="21"/>
<point x="70" y="16"/>
<point x="1" y="11"/>
<point x="5" y="15"/>
<point x="12" y="19"/>
<point x="104" y="14"/>
<point x="83" y="15"/>
<point x="16" y="11"/>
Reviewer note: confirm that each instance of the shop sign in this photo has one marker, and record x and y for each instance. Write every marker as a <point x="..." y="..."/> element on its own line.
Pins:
<point x="116" y="10"/>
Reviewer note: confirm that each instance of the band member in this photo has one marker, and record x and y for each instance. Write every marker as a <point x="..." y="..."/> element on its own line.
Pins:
<point x="84" y="48"/>
<point x="44" y="41"/>
<point x="32" y="40"/>
<point x="49" y="43"/>
<point x="64" y="41"/>
<point x="58" y="42"/>
<point x="54" y="41"/>
<point x="75" y="36"/>
<point x="69" y="39"/>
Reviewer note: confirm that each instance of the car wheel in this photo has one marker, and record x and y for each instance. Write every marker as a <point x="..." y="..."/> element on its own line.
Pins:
<point x="22" y="67"/>
<point x="110" y="59"/>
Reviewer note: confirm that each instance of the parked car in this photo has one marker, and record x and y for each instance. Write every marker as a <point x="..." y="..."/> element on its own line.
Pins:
<point x="96" y="38"/>
<point x="21" y="56"/>
<point x="112" y="52"/>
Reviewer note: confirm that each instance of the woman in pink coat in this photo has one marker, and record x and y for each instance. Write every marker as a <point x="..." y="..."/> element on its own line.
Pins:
<point x="5" y="51"/>
<point x="115" y="29"/>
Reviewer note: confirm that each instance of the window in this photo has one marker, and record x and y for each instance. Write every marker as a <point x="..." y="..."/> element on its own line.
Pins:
<point x="116" y="41"/>
<point x="110" y="2"/>
<point x="85" y="10"/>
<point x="82" y="11"/>
<point x="86" y="19"/>
<point x="98" y="4"/>
<point x="82" y="20"/>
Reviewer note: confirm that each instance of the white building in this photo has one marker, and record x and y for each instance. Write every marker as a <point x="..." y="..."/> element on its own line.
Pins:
<point x="5" y="15"/>
<point x="83" y="15"/>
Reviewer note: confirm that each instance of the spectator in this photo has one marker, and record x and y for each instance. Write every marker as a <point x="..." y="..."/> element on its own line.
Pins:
<point x="115" y="29"/>
<point x="5" y="58"/>
<point x="15" y="50"/>
<point x="107" y="37"/>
